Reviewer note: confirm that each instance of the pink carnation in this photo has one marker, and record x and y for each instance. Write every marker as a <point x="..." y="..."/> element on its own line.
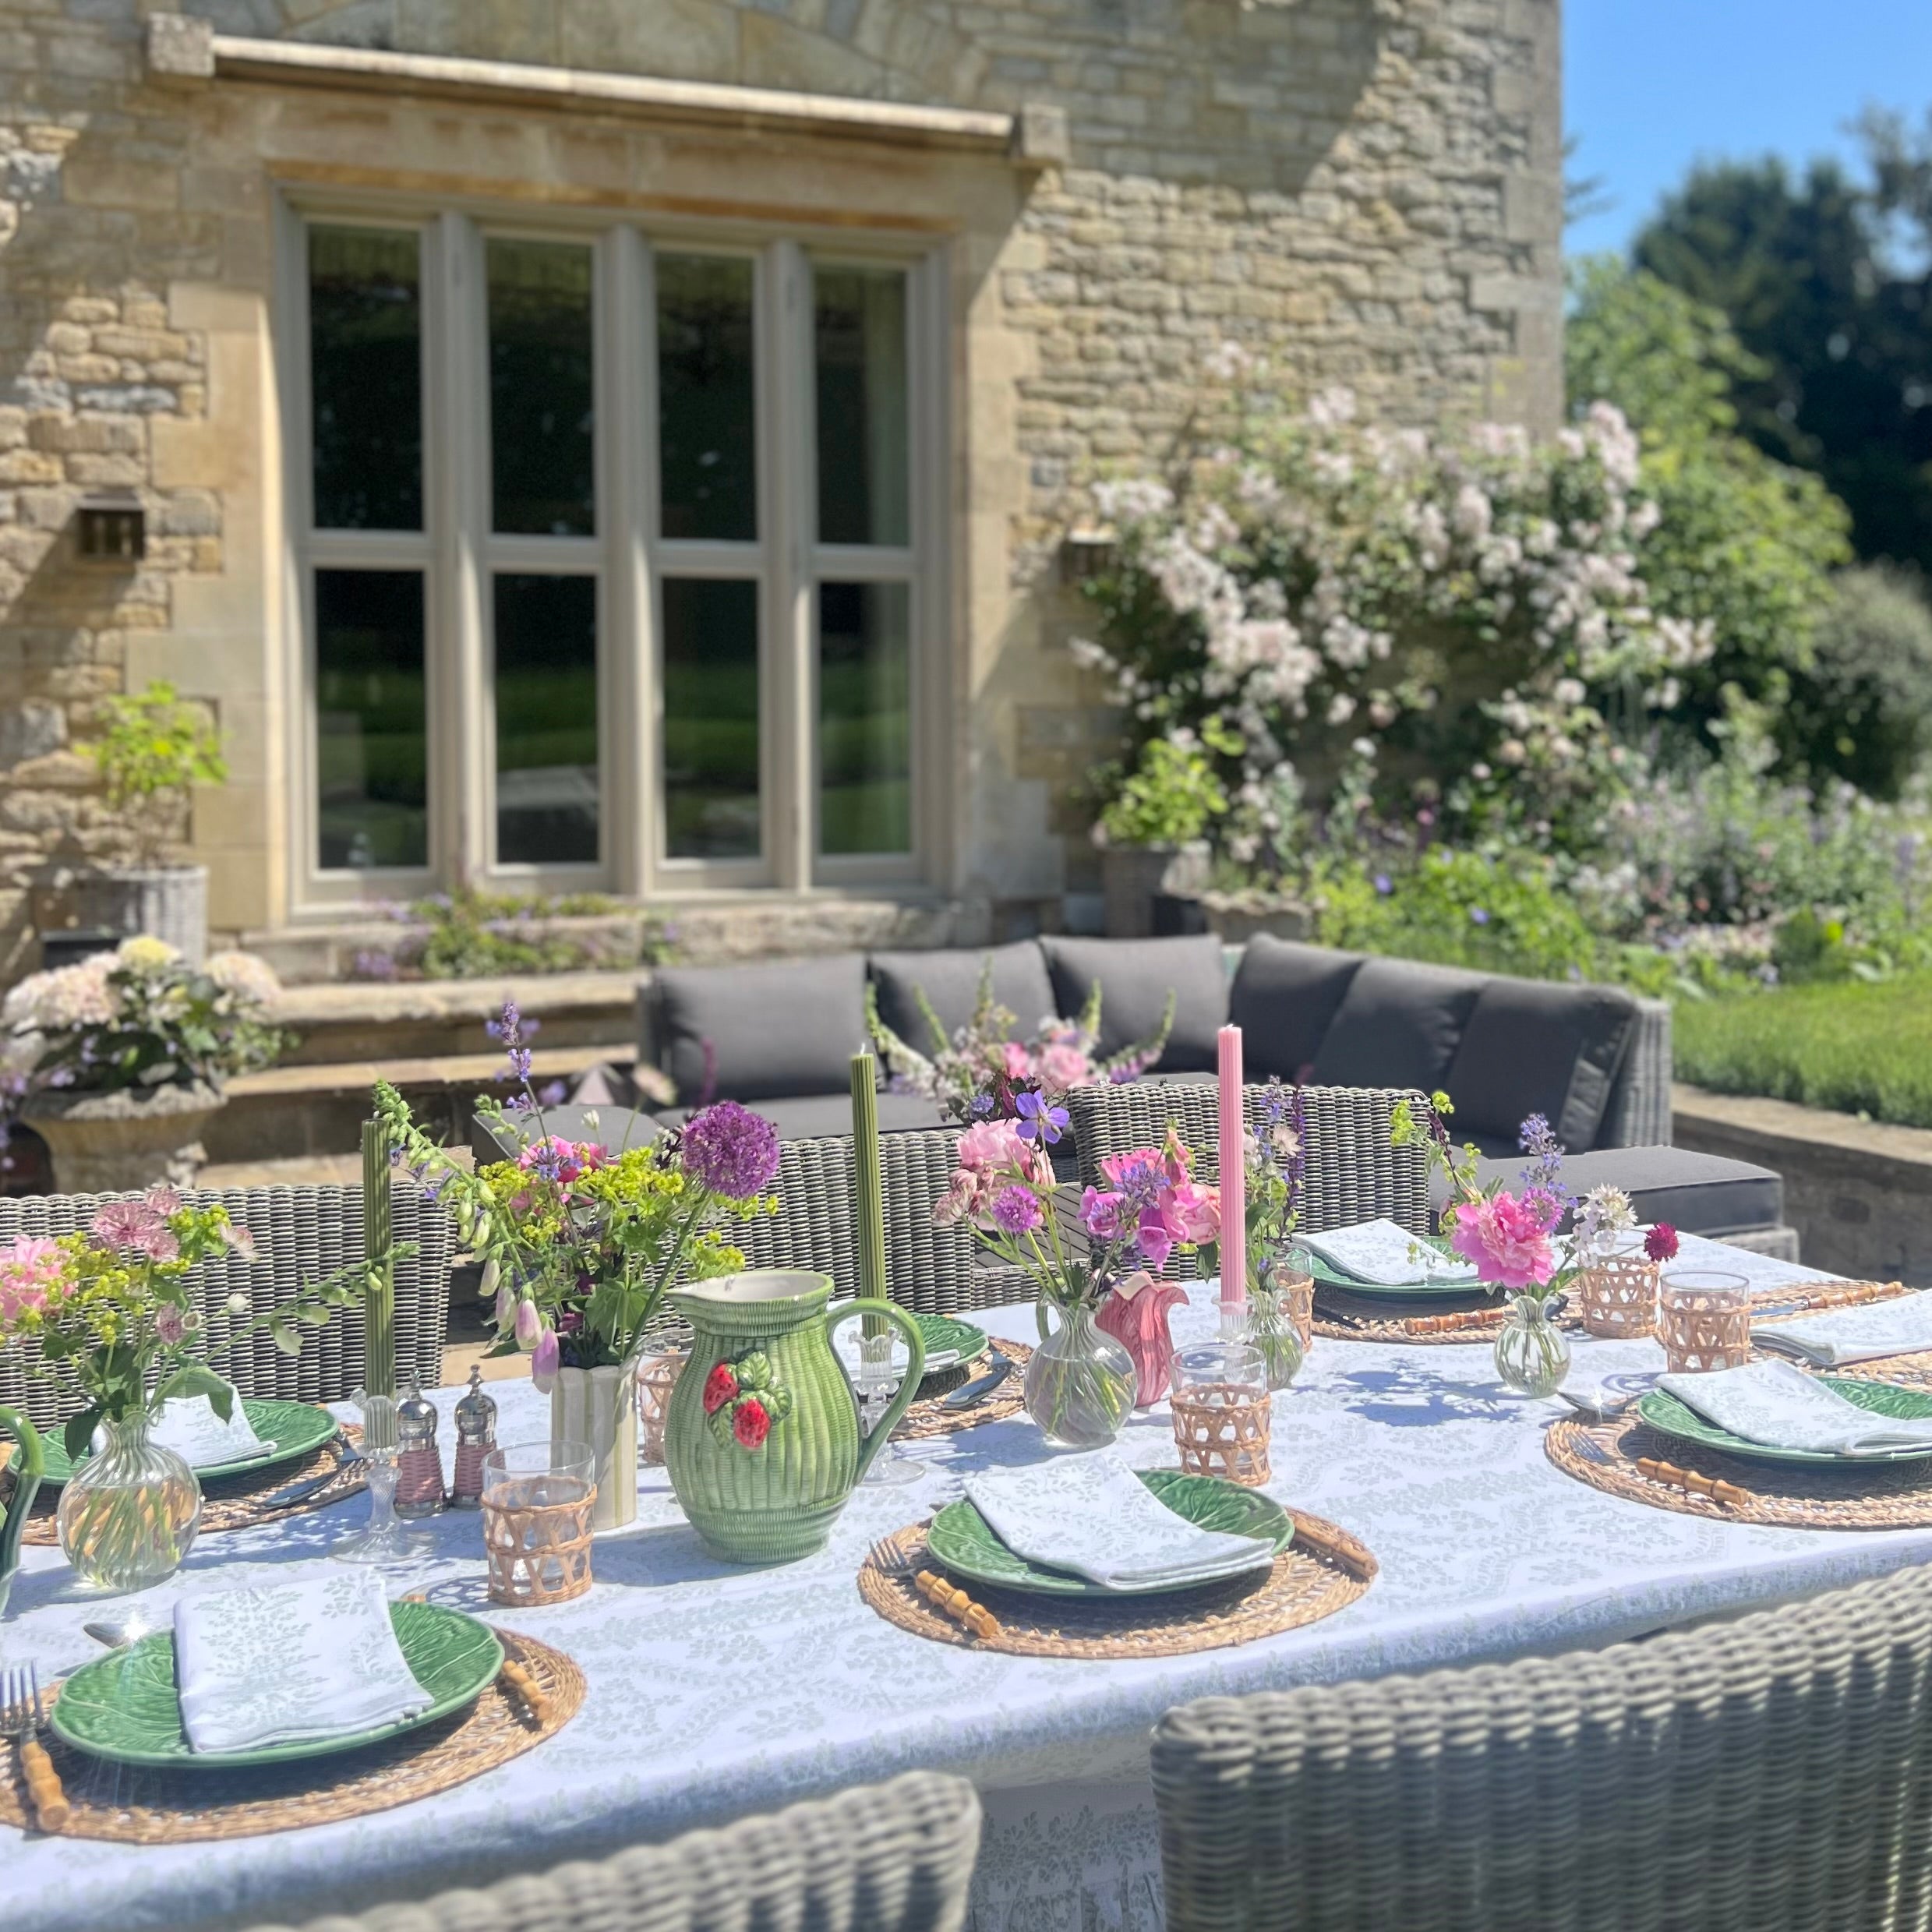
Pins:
<point x="1507" y="1240"/>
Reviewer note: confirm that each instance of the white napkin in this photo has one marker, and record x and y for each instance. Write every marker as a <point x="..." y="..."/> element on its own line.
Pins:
<point x="1900" y="1327"/>
<point x="1091" y="1514"/>
<point x="188" y="1425"/>
<point x="1777" y="1403"/>
<point x="1385" y="1253"/>
<point x="280" y="1663"/>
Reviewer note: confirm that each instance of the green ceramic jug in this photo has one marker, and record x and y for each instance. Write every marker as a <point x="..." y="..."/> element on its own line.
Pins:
<point x="762" y="1438"/>
<point x="27" y="1465"/>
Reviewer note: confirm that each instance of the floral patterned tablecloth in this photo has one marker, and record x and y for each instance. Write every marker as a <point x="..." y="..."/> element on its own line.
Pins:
<point x="715" y="1691"/>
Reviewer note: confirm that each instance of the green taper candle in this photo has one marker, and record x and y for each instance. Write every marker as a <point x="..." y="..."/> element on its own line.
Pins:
<point x="869" y="1228"/>
<point x="379" y="1293"/>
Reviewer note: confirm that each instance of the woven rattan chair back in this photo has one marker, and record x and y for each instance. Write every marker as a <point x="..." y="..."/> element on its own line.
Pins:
<point x="303" y="1235"/>
<point x="1771" y="1775"/>
<point x="881" y="1857"/>
<point x="1352" y="1173"/>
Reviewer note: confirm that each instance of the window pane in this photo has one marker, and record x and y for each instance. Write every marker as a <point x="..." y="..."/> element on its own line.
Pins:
<point x="865" y="791"/>
<point x="706" y="413"/>
<point x="860" y="326"/>
<point x="372" y="748"/>
<point x="540" y="384"/>
<point x="547" y="720"/>
<point x="366" y="370"/>
<point x="711" y="720"/>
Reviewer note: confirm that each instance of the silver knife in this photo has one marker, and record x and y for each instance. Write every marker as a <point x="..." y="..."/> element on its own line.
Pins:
<point x="974" y="1393"/>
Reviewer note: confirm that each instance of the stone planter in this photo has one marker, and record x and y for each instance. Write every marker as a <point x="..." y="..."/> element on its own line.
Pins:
<point x="1130" y="876"/>
<point x="169" y="901"/>
<point x="118" y="1143"/>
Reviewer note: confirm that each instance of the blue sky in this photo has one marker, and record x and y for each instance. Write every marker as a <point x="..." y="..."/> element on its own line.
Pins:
<point x="1650" y="86"/>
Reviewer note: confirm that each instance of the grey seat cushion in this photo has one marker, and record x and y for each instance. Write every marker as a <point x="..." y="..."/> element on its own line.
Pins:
<point x="809" y="1116"/>
<point x="1696" y="1193"/>
<point x="1399" y="1024"/>
<point x="1285" y="998"/>
<point x="1135" y="977"/>
<point x="788" y="1026"/>
<point x="950" y="980"/>
<point x="1530" y="1047"/>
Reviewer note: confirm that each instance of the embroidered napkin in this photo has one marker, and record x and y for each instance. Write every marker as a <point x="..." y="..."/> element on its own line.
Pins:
<point x="1858" y="1334"/>
<point x="280" y="1663"/>
<point x="1777" y="1403"/>
<point x="1091" y="1514"/>
<point x="188" y="1425"/>
<point x="1385" y="1253"/>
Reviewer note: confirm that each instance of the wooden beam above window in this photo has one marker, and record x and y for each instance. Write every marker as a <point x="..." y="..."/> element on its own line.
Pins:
<point x="182" y="48"/>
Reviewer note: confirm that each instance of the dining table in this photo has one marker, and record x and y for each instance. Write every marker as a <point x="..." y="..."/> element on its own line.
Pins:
<point x="715" y="1691"/>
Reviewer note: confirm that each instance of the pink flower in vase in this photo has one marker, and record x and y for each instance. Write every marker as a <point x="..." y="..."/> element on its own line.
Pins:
<point x="1015" y="1061"/>
<point x="1507" y="1239"/>
<point x="1135" y="1313"/>
<point x="1193" y="1212"/>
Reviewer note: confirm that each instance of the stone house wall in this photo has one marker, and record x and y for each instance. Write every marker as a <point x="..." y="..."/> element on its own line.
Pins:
<point x="1367" y="191"/>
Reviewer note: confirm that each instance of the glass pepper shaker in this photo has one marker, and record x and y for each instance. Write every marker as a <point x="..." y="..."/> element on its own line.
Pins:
<point x="476" y="1437"/>
<point x="419" y="1462"/>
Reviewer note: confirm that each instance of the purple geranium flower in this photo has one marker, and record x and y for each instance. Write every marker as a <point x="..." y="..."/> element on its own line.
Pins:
<point x="1039" y="1120"/>
<point x="728" y="1150"/>
<point x="1016" y="1210"/>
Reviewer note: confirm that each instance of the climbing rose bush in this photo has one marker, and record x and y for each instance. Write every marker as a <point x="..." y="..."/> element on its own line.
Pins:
<point x="1442" y="617"/>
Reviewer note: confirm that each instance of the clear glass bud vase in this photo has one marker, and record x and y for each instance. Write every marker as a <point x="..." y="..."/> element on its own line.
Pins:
<point x="128" y="1515"/>
<point x="1278" y="1311"/>
<point x="1532" y="1354"/>
<point x="1079" y="1384"/>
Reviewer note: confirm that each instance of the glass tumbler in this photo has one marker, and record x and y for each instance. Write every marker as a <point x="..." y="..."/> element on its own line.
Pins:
<point x="1221" y="1411"/>
<point x="1704" y="1321"/>
<point x="538" y="1498"/>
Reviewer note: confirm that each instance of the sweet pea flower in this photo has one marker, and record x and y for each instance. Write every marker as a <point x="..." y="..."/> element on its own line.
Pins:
<point x="1100" y="1213"/>
<point x="1508" y="1242"/>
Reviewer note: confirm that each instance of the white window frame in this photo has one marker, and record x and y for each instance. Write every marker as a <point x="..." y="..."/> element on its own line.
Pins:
<point x="459" y="555"/>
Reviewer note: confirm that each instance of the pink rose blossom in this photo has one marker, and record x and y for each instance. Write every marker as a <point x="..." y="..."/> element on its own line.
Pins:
<point x="990" y="1144"/>
<point x="1193" y="1212"/>
<point x="1507" y="1240"/>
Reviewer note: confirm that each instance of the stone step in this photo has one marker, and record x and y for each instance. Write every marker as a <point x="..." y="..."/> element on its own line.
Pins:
<point x="301" y="1112"/>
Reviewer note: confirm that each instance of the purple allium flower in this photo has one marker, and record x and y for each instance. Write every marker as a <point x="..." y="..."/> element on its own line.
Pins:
<point x="728" y="1150"/>
<point x="1016" y="1210"/>
<point x="1038" y="1119"/>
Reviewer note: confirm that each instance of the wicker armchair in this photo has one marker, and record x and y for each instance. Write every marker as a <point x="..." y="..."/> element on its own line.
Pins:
<point x="1352" y="1173"/>
<point x="1771" y="1775"/>
<point x="885" y="1858"/>
<point x="304" y="1234"/>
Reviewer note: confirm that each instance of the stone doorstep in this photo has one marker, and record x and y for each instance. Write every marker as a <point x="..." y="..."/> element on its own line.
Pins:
<point x="1859" y="1193"/>
<point x="435" y="1019"/>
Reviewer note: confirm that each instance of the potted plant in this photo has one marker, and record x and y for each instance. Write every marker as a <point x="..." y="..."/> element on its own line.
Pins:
<point x="583" y="1244"/>
<point x="153" y="749"/>
<point x="1151" y="835"/>
<point x="119" y="1062"/>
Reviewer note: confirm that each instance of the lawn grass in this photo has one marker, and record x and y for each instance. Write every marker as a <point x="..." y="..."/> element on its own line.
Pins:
<point x="1853" y="1047"/>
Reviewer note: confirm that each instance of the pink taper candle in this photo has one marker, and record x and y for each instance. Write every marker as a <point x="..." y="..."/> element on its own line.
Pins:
<point x="1234" y="1177"/>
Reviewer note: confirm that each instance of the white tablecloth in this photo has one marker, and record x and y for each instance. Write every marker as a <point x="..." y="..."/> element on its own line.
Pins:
<point x="715" y="1691"/>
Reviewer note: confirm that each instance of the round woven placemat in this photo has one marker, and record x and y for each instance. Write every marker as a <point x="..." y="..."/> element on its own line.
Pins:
<point x="1906" y="1372"/>
<point x="1782" y="1496"/>
<point x="1323" y="1570"/>
<point x="235" y="1503"/>
<point x="930" y="1416"/>
<point x="132" y="1805"/>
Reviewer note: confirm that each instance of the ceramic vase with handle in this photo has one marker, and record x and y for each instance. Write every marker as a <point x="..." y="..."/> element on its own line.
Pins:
<point x="27" y="1465"/>
<point x="598" y="1406"/>
<point x="762" y="1442"/>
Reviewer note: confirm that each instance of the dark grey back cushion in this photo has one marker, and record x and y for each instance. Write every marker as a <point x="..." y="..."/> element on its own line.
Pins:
<point x="1535" y="1048"/>
<point x="1285" y="998"/>
<point x="1399" y="1025"/>
<point x="951" y="981"/>
<point x="787" y="1026"/>
<point x="1135" y="976"/>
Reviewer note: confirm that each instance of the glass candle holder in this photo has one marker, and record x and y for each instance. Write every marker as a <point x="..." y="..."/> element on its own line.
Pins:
<point x="538" y="1498"/>
<point x="1616" y="1290"/>
<point x="1221" y="1414"/>
<point x="1704" y="1321"/>
<point x="656" y="1378"/>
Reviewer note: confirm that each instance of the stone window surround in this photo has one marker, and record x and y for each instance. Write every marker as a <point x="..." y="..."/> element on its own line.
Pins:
<point x="457" y="551"/>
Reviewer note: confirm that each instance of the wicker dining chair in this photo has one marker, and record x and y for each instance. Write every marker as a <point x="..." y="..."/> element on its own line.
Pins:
<point x="1769" y="1775"/>
<point x="303" y="1235"/>
<point x="895" y="1857"/>
<point x="1352" y="1173"/>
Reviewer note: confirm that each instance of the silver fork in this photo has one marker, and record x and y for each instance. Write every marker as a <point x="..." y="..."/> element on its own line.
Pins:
<point x="890" y="1560"/>
<point x="21" y="1718"/>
